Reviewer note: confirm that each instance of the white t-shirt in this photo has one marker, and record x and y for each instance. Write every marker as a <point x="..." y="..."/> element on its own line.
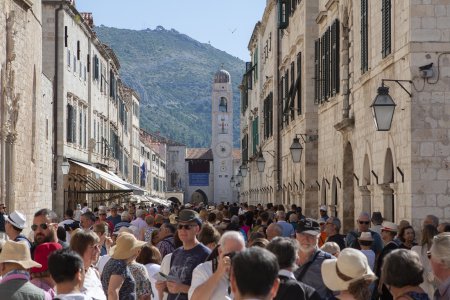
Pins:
<point x="93" y="286"/>
<point x="202" y="273"/>
<point x="102" y="262"/>
<point x="165" y="268"/>
<point x="152" y="269"/>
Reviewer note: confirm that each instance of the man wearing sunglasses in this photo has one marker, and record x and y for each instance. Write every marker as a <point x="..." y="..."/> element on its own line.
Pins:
<point x="2" y="217"/>
<point x="186" y="258"/>
<point x="363" y="224"/>
<point x="44" y="227"/>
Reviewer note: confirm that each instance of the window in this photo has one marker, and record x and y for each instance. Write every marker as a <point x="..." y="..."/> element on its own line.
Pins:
<point x="283" y="14"/>
<point x="71" y="124"/>
<point x="298" y="83"/>
<point x="80" y="69"/>
<point x="364" y="36"/>
<point x="249" y="75"/>
<point x="268" y="116"/>
<point x="255" y="135"/>
<point x="78" y="50"/>
<point x="244" y="148"/>
<point x="244" y="94"/>
<point x="291" y="92"/>
<point x="326" y="64"/>
<point x="223" y="104"/>
<point x="112" y="85"/>
<point x="74" y="64"/>
<point x="66" y="36"/>
<point x="386" y="28"/>
<point x="68" y="58"/>
<point x="96" y="67"/>
<point x="255" y="65"/>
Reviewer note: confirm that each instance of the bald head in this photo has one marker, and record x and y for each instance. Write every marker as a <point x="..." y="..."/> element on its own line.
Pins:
<point x="274" y="230"/>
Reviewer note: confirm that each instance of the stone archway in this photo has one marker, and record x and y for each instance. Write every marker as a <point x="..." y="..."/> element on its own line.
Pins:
<point x="175" y="200"/>
<point x="348" y="201"/>
<point x="199" y="196"/>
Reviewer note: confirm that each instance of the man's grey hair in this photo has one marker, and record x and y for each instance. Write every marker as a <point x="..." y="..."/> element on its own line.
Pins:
<point x="277" y="228"/>
<point x="364" y="214"/>
<point x="433" y="219"/>
<point x="232" y="236"/>
<point x="440" y="249"/>
<point x="125" y="216"/>
<point x="285" y="249"/>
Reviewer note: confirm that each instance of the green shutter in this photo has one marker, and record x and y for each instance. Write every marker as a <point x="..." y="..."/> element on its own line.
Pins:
<point x="255" y="136"/>
<point x="364" y="36"/>
<point x="386" y="28"/>
<point x="284" y="10"/>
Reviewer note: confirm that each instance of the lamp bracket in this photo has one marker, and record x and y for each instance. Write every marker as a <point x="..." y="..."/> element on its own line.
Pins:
<point x="399" y="82"/>
<point x="307" y="137"/>
<point x="271" y="152"/>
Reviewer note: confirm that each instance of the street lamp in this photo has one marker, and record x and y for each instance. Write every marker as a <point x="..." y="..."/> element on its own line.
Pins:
<point x="244" y="169"/>
<point x="296" y="150"/>
<point x="260" y="162"/>
<point x="232" y="181"/>
<point x="65" y="166"/>
<point x="239" y="177"/>
<point x="383" y="109"/>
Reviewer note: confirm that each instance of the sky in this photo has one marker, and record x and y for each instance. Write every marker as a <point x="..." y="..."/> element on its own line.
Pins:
<point x="227" y="25"/>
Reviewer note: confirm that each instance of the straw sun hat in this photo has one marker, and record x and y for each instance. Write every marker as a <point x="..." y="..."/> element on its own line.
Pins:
<point x="126" y="246"/>
<point x="19" y="253"/>
<point x="350" y="266"/>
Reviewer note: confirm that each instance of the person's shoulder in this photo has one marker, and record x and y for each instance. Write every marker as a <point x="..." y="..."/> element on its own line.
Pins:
<point x="203" y="269"/>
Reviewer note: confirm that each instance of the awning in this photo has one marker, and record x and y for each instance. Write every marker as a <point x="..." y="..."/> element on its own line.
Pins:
<point x="103" y="175"/>
<point x="136" y="190"/>
<point x="157" y="201"/>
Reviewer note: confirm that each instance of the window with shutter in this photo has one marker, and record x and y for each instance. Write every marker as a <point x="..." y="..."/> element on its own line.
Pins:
<point x="78" y="50"/>
<point x="69" y="121"/>
<point x="286" y="97"/>
<point x="249" y="75"/>
<point x="364" y="36"/>
<point x="298" y="84"/>
<point x="245" y="148"/>
<point x="317" y="85"/>
<point x="292" y="92"/>
<point x="66" y="36"/>
<point x="255" y="65"/>
<point x="255" y="135"/>
<point x="386" y="27"/>
<point x="268" y="116"/>
<point x="335" y="58"/>
<point x="283" y="13"/>
<point x="327" y="68"/>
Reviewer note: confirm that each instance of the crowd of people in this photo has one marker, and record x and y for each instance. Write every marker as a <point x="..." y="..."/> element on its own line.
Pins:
<point x="229" y="251"/>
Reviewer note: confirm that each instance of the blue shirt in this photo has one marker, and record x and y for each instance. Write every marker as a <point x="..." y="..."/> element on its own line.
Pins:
<point x="288" y="229"/>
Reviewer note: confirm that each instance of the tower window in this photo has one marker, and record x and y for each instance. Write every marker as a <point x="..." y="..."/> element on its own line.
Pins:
<point x="223" y="104"/>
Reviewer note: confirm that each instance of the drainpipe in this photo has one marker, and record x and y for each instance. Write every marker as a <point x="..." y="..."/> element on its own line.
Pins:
<point x="55" y="109"/>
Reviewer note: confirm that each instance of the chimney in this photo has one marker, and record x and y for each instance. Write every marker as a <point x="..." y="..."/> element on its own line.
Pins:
<point x="88" y="18"/>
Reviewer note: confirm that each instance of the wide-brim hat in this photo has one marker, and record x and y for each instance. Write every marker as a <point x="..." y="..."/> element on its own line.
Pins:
<point x="41" y="254"/>
<point x="126" y="246"/>
<point x="351" y="265"/>
<point x="389" y="226"/>
<point x="18" y="253"/>
<point x="189" y="215"/>
<point x="17" y="219"/>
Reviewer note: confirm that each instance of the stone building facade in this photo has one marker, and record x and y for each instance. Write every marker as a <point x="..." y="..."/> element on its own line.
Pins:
<point x="25" y="110"/>
<point x="348" y="48"/>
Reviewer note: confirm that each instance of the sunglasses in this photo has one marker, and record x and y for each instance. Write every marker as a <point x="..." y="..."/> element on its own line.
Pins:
<point x="364" y="222"/>
<point x="186" y="226"/>
<point x="43" y="226"/>
<point x="429" y="254"/>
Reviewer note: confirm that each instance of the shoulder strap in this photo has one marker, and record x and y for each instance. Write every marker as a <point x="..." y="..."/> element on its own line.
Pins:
<point x="306" y="266"/>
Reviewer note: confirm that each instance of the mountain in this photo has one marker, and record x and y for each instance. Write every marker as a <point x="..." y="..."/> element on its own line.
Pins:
<point x="173" y="75"/>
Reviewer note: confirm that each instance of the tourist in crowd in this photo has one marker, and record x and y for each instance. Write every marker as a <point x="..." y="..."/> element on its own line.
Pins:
<point x="87" y="220"/>
<point x="323" y="233"/>
<point x="142" y="279"/>
<point x="125" y="218"/>
<point x="67" y="270"/>
<point x="2" y="217"/>
<point x="14" y="224"/>
<point x="181" y="267"/>
<point x="293" y="220"/>
<point x="208" y="236"/>
<point x="44" y="227"/>
<point x="402" y="272"/>
<point x="15" y="261"/>
<point x="254" y="274"/>
<point x="166" y="237"/>
<point x="349" y="274"/>
<point x="286" y="251"/>
<point x="331" y="248"/>
<point x="377" y="220"/>
<point x="261" y="242"/>
<point x="40" y="276"/>
<point x="366" y="241"/>
<point x="139" y="222"/>
<point x="105" y="242"/>
<point x="210" y="280"/>
<point x="429" y="283"/>
<point x="332" y="229"/>
<point x="150" y="257"/>
<point x="86" y="244"/>
<point x="440" y="263"/>
<point x="146" y="232"/>
<point x="311" y="257"/>
<point x="444" y="227"/>
<point x="431" y="220"/>
<point x="254" y="236"/>
<point x="323" y="212"/>
<point x="388" y="233"/>
<point x="114" y="218"/>
<point x="102" y="219"/>
<point x="117" y="281"/>
<point x="407" y="236"/>
<point x="274" y="230"/>
<point x="363" y="226"/>
<point x="288" y="229"/>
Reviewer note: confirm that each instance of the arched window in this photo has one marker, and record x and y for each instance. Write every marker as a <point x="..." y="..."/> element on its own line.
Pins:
<point x="223" y="104"/>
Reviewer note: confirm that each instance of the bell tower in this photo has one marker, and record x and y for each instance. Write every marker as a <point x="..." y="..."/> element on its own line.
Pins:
<point x="222" y="136"/>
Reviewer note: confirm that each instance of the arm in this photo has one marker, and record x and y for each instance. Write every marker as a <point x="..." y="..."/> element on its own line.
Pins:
<point x="205" y="290"/>
<point x="115" y="283"/>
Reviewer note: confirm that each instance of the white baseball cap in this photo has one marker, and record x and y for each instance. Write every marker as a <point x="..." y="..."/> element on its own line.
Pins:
<point x="17" y="219"/>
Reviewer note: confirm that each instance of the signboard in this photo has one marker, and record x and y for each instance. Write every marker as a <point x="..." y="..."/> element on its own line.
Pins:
<point x="199" y="179"/>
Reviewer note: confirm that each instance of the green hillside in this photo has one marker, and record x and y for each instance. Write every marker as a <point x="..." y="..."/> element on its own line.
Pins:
<point x="173" y="74"/>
